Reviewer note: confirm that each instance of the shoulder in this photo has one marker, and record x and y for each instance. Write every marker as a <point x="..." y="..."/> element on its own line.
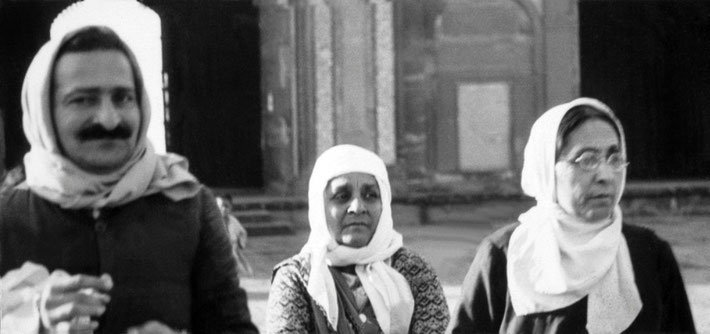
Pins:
<point x="641" y="237"/>
<point x="203" y="205"/>
<point x="296" y="267"/>
<point x="204" y="196"/>
<point x="16" y="191"/>
<point x="500" y="238"/>
<point x="405" y="257"/>
<point x="17" y="197"/>
<point x="639" y="232"/>
<point x="412" y="266"/>
<point x="647" y="249"/>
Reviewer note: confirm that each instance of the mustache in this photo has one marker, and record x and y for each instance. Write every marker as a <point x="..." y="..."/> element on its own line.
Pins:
<point x="122" y="131"/>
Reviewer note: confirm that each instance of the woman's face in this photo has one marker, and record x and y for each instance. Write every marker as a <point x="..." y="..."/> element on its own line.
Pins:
<point x="589" y="195"/>
<point x="352" y="208"/>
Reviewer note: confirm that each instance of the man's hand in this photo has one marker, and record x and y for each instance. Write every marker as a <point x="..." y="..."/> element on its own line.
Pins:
<point x="74" y="299"/>
<point x="153" y="327"/>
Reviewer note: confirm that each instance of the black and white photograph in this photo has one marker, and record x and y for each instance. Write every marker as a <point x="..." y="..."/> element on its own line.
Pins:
<point x="354" y="166"/>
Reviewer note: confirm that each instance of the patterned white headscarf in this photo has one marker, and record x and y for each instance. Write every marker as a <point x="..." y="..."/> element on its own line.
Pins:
<point x="555" y="258"/>
<point x="57" y="179"/>
<point x="388" y="291"/>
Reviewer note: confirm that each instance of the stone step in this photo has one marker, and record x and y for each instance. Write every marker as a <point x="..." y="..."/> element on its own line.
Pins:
<point x="271" y="227"/>
<point x="257" y="215"/>
<point x="259" y="221"/>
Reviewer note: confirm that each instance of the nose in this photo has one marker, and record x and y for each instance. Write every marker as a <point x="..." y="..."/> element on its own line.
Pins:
<point x="356" y="206"/>
<point x="605" y="173"/>
<point x="107" y="114"/>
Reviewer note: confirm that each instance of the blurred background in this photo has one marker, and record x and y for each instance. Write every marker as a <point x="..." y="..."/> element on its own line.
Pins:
<point x="445" y="91"/>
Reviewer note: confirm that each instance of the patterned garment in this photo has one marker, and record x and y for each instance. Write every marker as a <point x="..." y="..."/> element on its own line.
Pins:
<point x="289" y="307"/>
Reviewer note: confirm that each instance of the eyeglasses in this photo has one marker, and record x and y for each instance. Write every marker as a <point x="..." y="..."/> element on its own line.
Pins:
<point x="590" y="161"/>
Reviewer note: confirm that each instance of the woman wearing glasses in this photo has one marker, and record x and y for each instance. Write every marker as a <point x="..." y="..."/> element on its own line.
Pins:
<point x="570" y="265"/>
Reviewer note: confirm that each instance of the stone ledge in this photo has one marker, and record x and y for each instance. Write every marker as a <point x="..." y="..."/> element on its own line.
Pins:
<point x="634" y="191"/>
<point x="640" y="199"/>
<point x="646" y="189"/>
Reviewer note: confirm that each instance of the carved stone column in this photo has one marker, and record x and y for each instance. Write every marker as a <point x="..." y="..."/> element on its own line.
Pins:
<point x="354" y="74"/>
<point x="323" y="35"/>
<point x="384" y="76"/>
<point x="561" y="25"/>
<point x="278" y="80"/>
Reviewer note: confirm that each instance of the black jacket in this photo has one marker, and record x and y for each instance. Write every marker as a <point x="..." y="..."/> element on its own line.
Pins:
<point x="486" y="306"/>
<point x="170" y="261"/>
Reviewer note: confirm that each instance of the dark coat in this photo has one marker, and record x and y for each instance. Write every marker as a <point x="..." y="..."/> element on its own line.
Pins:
<point x="292" y="310"/>
<point x="486" y="306"/>
<point x="169" y="261"/>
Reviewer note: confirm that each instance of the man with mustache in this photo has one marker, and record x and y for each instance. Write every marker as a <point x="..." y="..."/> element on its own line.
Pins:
<point x="133" y="241"/>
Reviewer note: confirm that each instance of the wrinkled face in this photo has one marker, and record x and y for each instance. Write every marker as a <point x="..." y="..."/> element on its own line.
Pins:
<point x="96" y="114"/>
<point x="589" y="195"/>
<point x="352" y="208"/>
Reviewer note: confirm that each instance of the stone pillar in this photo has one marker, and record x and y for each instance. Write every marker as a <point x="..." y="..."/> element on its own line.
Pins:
<point x="276" y="21"/>
<point x="323" y="35"/>
<point x="384" y="77"/>
<point x="561" y="31"/>
<point x="354" y="74"/>
<point x="354" y="79"/>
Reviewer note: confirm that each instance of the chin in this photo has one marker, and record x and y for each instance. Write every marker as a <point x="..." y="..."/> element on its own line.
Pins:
<point x="354" y="241"/>
<point x="597" y="215"/>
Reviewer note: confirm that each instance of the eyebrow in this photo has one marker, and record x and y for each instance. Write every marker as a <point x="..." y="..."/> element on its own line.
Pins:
<point x="80" y="90"/>
<point x="340" y="187"/>
<point x="610" y="149"/>
<point x="370" y="186"/>
<point x="92" y="91"/>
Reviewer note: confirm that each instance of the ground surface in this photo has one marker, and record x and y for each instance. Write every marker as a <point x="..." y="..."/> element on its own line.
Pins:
<point x="450" y="247"/>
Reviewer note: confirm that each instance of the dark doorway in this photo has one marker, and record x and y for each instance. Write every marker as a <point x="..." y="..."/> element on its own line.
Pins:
<point x="24" y="28"/>
<point x="650" y="61"/>
<point x="212" y="58"/>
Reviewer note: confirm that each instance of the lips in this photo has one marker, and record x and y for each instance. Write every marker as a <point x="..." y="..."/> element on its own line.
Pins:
<point x="354" y="224"/>
<point x="601" y="198"/>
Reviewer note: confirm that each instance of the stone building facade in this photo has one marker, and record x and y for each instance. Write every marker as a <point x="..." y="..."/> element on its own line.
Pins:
<point x="445" y="91"/>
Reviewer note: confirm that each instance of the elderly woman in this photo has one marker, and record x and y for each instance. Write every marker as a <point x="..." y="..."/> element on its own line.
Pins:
<point x="570" y="265"/>
<point x="353" y="275"/>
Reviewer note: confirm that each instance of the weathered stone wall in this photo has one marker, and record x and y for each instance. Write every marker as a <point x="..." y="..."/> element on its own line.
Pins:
<point x="443" y="47"/>
<point x="392" y="82"/>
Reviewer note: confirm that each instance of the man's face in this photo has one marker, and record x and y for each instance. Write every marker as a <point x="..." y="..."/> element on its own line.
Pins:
<point x="96" y="112"/>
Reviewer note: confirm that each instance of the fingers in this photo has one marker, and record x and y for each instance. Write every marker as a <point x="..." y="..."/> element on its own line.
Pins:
<point x="67" y="298"/>
<point x="67" y="306"/>
<point x="76" y="325"/>
<point x="61" y="282"/>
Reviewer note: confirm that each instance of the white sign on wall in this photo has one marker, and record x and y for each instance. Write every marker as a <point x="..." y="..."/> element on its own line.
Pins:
<point x="484" y="126"/>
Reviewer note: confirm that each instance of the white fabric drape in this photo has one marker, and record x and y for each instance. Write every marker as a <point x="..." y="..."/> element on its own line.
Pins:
<point x="554" y="258"/>
<point x="57" y="179"/>
<point x="388" y="291"/>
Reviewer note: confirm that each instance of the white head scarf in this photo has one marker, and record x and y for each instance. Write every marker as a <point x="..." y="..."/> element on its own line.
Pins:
<point x="554" y="258"/>
<point x="57" y="179"/>
<point x="388" y="291"/>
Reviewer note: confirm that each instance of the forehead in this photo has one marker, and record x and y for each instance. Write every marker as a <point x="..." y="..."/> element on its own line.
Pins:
<point x="352" y="179"/>
<point x="592" y="134"/>
<point x="93" y="69"/>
